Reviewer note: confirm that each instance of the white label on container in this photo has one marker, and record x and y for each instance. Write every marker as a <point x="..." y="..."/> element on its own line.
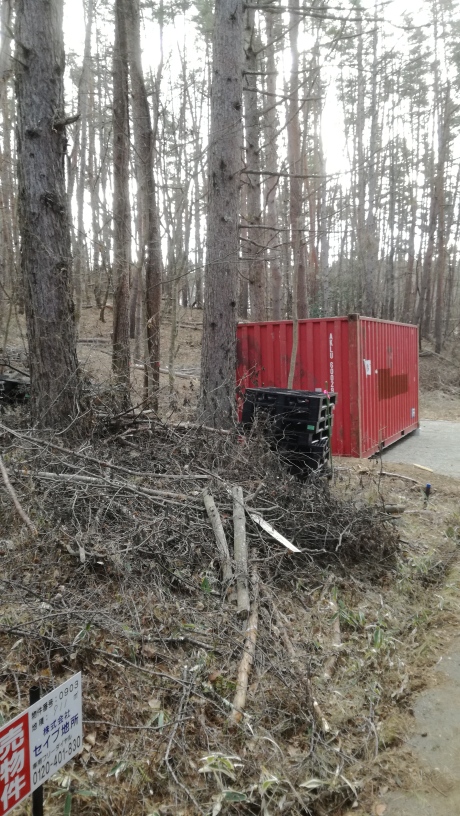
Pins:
<point x="367" y="367"/>
<point x="331" y="363"/>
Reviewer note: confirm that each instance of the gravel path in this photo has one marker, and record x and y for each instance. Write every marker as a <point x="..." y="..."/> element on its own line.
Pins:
<point x="436" y="446"/>
<point x="436" y="747"/>
<point x="435" y="741"/>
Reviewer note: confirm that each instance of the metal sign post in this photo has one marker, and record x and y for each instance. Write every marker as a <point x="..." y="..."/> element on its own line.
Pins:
<point x="37" y="795"/>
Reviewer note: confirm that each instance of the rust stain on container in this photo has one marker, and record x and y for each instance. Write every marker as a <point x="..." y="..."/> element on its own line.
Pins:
<point x="391" y="385"/>
<point x="371" y="364"/>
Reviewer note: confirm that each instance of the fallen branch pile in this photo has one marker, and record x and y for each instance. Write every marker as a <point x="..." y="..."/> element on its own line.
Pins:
<point x="169" y="574"/>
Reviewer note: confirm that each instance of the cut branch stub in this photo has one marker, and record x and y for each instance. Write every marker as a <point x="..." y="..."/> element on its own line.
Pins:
<point x="219" y="534"/>
<point x="239" y="701"/>
<point x="240" y="552"/>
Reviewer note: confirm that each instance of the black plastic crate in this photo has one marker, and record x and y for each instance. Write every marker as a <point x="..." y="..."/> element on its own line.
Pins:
<point x="297" y="438"/>
<point x="312" y="408"/>
<point x="299" y="424"/>
<point x="303" y="462"/>
<point x="13" y="389"/>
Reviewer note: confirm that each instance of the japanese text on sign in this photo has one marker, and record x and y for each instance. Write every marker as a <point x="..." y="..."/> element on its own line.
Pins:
<point x="36" y="744"/>
<point x="55" y="730"/>
<point x="15" y="781"/>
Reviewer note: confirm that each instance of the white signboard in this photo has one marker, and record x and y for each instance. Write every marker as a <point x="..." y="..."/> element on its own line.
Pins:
<point x="39" y="741"/>
<point x="55" y="730"/>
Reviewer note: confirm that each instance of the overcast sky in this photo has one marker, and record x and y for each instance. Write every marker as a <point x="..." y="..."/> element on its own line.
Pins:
<point x="333" y="131"/>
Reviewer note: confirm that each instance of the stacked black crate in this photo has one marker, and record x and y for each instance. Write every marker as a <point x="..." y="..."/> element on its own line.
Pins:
<point x="299" y="423"/>
<point x="13" y="389"/>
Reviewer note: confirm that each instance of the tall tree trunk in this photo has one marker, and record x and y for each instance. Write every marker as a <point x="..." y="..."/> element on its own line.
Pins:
<point x="196" y="107"/>
<point x="93" y="179"/>
<point x="198" y="243"/>
<point x="44" y="213"/>
<point x="144" y="142"/>
<point x="254" y="246"/>
<point x="424" y="306"/>
<point x="8" y="276"/>
<point x="321" y="184"/>
<point x="371" y="245"/>
<point x="309" y="164"/>
<point x="102" y="221"/>
<point x="359" y="169"/>
<point x="121" y="209"/>
<point x="271" y="185"/>
<point x="83" y="98"/>
<point x="443" y="140"/>
<point x="407" y="314"/>
<point x="389" y="299"/>
<point x="295" y="168"/>
<point x="218" y="358"/>
<point x="243" y="277"/>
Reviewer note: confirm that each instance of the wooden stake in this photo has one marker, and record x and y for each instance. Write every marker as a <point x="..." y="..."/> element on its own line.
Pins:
<point x="240" y="552"/>
<point x="245" y="666"/>
<point x="221" y="541"/>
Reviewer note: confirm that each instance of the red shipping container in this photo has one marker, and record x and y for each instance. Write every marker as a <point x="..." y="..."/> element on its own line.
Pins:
<point x="372" y="365"/>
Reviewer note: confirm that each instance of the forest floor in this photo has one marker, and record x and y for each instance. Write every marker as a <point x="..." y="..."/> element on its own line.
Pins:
<point x="121" y="581"/>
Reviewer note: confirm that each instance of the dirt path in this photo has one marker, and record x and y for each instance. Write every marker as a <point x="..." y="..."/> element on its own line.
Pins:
<point x="436" y="445"/>
<point x="436" y="746"/>
<point x="434" y="740"/>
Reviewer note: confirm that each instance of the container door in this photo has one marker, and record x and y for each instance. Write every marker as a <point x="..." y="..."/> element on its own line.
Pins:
<point x="371" y="420"/>
<point x="389" y="403"/>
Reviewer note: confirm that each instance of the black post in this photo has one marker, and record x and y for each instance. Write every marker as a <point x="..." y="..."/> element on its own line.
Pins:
<point x="37" y="796"/>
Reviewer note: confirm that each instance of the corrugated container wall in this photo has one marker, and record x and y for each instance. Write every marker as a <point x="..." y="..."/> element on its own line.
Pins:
<point x="372" y="365"/>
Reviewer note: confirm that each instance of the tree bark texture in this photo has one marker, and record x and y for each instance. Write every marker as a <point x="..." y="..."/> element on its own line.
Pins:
<point x="121" y="210"/>
<point x="359" y="198"/>
<point x="8" y="276"/>
<point x="220" y="313"/>
<point x="424" y="304"/>
<point x="83" y="95"/>
<point x="271" y="184"/>
<point x="299" y="293"/>
<point x="44" y="213"/>
<point x="443" y="140"/>
<point x="254" y="248"/>
<point x="370" y="250"/>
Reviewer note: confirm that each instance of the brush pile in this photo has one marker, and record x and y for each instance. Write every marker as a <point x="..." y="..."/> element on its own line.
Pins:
<point x="201" y="589"/>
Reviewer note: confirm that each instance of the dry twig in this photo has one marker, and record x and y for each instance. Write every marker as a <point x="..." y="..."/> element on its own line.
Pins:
<point x="21" y="512"/>
<point x="221" y="541"/>
<point x="320" y="719"/>
<point x="331" y="662"/>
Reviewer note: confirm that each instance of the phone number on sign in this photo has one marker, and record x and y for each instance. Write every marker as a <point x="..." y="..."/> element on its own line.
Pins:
<point x="66" y="750"/>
